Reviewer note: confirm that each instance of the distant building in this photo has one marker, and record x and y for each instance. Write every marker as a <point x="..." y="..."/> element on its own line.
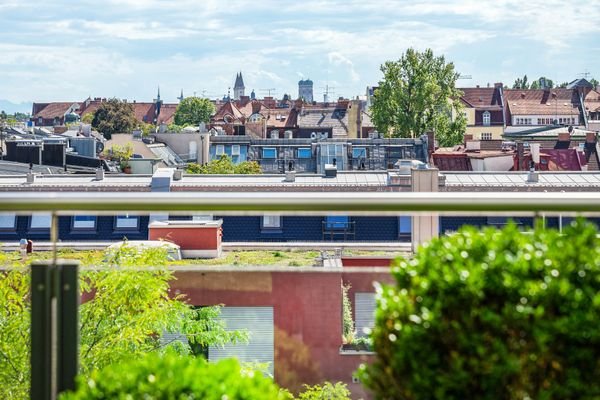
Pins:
<point x="238" y="87"/>
<point x="484" y="111"/>
<point x="305" y="90"/>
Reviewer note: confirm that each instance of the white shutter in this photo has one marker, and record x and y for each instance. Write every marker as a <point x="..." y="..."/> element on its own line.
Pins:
<point x="258" y="321"/>
<point x="364" y="304"/>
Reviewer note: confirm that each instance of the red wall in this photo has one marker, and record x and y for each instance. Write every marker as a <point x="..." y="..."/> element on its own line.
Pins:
<point x="192" y="238"/>
<point x="307" y="311"/>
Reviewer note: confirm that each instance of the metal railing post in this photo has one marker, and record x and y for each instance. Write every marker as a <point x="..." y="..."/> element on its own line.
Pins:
<point x="41" y="341"/>
<point x="54" y="328"/>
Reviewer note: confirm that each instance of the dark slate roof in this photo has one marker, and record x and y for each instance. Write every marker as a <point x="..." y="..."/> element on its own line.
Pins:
<point x="335" y="118"/>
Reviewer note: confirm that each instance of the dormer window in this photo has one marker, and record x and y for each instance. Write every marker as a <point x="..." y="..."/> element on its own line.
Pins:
<point x="487" y="119"/>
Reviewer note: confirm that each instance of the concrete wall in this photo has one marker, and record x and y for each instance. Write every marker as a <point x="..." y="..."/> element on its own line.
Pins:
<point x="179" y="142"/>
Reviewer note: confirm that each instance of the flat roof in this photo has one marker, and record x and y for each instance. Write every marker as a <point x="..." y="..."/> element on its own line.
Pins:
<point x="343" y="182"/>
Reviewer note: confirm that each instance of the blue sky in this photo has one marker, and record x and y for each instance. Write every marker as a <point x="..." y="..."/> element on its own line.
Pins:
<point x="68" y="50"/>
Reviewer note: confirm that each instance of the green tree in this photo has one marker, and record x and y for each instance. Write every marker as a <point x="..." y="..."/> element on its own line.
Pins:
<point x="114" y="116"/>
<point x="594" y="82"/>
<point x="492" y="314"/>
<point x="87" y="118"/>
<point x="418" y="94"/>
<point x="521" y="83"/>
<point x="223" y="166"/>
<point x="171" y="376"/>
<point x="130" y="309"/>
<point x="193" y="111"/>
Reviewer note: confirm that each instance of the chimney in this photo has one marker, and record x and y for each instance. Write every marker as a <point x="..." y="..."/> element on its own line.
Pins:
<point x="564" y="137"/>
<point x="424" y="227"/>
<point x="99" y="173"/>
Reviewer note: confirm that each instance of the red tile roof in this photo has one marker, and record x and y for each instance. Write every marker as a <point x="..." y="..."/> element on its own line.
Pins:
<point x="556" y="101"/>
<point x="167" y="114"/>
<point x="592" y="101"/>
<point x="485" y="98"/>
<point x="51" y="110"/>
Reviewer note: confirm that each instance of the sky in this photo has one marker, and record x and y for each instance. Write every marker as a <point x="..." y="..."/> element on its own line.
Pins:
<point x="59" y="50"/>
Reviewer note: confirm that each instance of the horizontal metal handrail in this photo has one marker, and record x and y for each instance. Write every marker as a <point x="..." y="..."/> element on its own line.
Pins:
<point x="373" y="203"/>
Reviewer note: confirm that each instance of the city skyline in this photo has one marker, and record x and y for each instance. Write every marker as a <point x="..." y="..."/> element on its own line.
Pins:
<point x="128" y="48"/>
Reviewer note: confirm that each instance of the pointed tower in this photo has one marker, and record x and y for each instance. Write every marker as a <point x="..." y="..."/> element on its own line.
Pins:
<point x="180" y="98"/>
<point x="157" y="106"/>
<point x="238" y="87"/>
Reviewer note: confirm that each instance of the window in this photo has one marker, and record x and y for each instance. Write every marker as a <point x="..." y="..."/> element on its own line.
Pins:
<point x="269" y="152"/>
<point x="235" y="150"/>
<point x="260" y="348"/>
<point x="337" y="222"/>
<point x="40" y="221"/>
<point x="271" y="222"/>
<point x="365" y="306"/>
<point x="486" y="136"/>
<point x="127" y="222"/>
<point x="359" y="152"/>
<point x="84" y="222"/>
<point x="304" y="152"/>
<point x="404" y="225"/>
<point x="220" y="150"/>
<point x="8" y="221"/>
<point x="487" y="120"/>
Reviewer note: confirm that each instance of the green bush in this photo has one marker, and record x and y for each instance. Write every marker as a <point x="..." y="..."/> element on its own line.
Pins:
<point x="172" y="376"/>
<point x="326" y="391"/>
<point x="492" y="315"/>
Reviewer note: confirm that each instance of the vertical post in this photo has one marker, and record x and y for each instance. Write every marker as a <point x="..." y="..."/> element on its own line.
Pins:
<point x="424" y="227"/>
<point x="41" y="346"/>
<point x="68" y="323"/>
<point x="54" y="328"/>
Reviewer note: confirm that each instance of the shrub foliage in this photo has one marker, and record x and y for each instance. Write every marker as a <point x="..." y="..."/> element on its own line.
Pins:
<point x="492" y="315"/>
<point x="172" y="376"/>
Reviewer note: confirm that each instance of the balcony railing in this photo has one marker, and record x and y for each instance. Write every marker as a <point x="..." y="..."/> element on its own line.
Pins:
<point x="249" y="203"/>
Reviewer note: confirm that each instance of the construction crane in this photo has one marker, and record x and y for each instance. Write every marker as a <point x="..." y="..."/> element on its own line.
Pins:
<point x="268" y="91"/>
<point x="461" y="76"/>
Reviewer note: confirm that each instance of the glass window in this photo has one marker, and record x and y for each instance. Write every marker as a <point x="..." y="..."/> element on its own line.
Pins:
<point x="486" y="118"/>
<point x="359" y="152"/>
<point x="220" y="150"/>
<point x="304" y="152"/>
<point x="235" y="150"/>
<point x="126" y="222"/>
<point x="84" y="222"/>
<point x="404" y="225"/>
<point x="486" y="136"/>
<point x="271" y="221"/>
<point x="337" y="222"/>
<point x="269" y="152"/>
<point x="40" y="221"/>
<point x="8" y="220"/>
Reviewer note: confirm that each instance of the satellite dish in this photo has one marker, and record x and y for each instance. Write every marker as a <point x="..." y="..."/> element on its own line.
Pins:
<point x="99" y="147"/>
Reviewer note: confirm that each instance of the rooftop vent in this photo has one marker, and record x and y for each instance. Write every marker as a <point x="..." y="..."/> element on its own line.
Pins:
<point x="330" y="170"/>
<point x="405" y="166"/>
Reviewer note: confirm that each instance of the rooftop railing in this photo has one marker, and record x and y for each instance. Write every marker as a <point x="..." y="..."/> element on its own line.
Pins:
<point x="47" y="281"/>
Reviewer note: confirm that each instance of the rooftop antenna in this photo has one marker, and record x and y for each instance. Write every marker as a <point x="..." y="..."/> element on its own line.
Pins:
<point x="268" y="91"/>
<point x="585" y="75"/>
<point x="327" y="91"/>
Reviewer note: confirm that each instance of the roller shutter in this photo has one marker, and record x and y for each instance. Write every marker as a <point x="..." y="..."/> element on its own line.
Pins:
<point x="364" y="305"/>
<point x="258" y="321"/>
